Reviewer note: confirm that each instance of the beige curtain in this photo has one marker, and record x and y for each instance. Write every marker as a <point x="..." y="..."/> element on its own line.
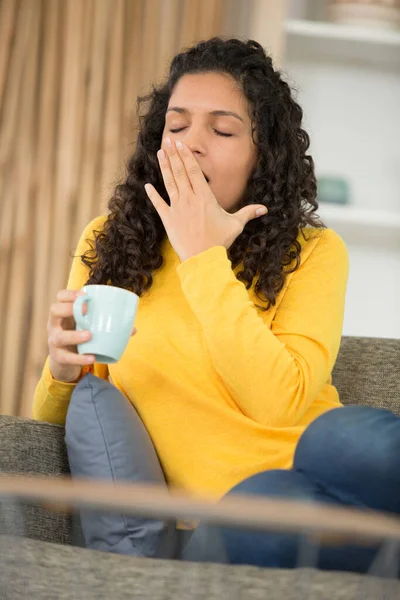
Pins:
<point x="70" y="72"/>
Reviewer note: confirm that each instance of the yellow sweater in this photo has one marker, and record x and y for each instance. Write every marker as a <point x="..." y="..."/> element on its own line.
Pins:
<point x="224" y="389"/>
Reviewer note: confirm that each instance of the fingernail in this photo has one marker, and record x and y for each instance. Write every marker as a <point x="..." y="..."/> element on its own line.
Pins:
<point x="161" y="154"/>
<point x="147" y="187"/>
<point x="261" y="211"/>
<point x="168" y="142"/>
<point x="179" y="145"/>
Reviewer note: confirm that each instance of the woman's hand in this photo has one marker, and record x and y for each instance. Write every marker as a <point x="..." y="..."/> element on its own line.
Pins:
<point x="65" y="362"/>
<point x="195" y="221"/>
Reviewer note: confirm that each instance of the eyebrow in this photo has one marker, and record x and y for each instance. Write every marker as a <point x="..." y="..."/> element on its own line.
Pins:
<point x="214" y="113"/>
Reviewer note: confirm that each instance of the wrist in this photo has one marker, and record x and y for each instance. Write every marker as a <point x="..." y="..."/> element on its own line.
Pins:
<point x="66" y="375"/>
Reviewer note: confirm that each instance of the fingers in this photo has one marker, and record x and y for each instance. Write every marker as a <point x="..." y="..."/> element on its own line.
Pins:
<point x="68" y="295"/>
<point x="195" y="174"/>
<point x="159" y="204"/>
<point x="63" y="346"/>
<point x="173" y="171"/>
<point x="62" y="356"/>
<point x="63" y="308"/>
<point x="60" y="338"/>
<point x="63" y="339"/>
<point x="167" y="175"/>
<point x="181" y="174"/>
<point x="252" y="211"/>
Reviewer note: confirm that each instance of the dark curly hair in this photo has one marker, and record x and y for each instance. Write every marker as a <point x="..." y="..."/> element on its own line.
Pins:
<point x="127" y="251"/>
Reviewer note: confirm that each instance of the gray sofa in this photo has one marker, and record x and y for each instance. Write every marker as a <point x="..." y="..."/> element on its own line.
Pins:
<point x="37" y="559"/>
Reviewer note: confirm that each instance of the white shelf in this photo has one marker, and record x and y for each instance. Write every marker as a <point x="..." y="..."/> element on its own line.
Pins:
<point x="362" y="226"/>
<point x="317" y="40"/>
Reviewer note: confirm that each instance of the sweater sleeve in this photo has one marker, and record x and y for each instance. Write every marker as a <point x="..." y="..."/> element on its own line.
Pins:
<point x="51" y="397"/>
<point x="274" y="372"/>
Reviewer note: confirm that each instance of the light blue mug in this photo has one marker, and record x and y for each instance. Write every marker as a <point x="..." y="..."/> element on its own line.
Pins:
<point x="110" y="315"/>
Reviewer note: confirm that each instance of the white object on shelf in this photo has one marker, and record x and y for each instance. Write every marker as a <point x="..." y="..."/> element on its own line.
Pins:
<point x="362" y="226"/>
<point x="318" y="40"/>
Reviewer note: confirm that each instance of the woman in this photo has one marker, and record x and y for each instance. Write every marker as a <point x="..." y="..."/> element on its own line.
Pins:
<point x="242" y="299"/>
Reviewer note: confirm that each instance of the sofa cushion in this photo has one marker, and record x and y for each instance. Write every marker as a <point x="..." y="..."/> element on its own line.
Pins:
<point x="42" y="571"/>
<point x="106" y="439"/>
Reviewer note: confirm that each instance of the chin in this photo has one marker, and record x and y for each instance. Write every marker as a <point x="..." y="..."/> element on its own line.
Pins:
<point x="229" y="207"/>
<point x="228" y="204"/>
<point x="233" y="209"/>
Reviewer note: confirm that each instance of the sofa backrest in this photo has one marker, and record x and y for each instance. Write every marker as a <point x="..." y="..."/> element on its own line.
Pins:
<point x="367" y="371"/>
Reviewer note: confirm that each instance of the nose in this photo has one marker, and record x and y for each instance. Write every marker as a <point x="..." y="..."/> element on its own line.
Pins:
<point x="195" y="139"/>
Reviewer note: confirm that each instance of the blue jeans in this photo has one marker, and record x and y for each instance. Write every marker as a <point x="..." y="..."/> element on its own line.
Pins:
<point x="349" y="456"/>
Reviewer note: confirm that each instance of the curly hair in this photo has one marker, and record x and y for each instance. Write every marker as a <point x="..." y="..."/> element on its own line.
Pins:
<point x="128" y="249"/>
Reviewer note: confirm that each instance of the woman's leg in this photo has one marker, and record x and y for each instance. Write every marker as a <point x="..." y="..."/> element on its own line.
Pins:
<point x="270" y="549"/>
<point x="354" y="454"/>
<point x="349" y="456"/>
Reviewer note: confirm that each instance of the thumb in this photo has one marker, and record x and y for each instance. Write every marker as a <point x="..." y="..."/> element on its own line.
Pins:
<point x="253" y="211"/>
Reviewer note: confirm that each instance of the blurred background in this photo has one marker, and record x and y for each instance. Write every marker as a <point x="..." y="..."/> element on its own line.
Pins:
<point x="70" y="72"/>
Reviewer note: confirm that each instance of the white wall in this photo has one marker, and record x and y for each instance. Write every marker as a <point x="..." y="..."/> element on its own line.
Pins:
<point x="352" y="113"/>
<point x="373" y="293"/>
<point x="353" y="116"/>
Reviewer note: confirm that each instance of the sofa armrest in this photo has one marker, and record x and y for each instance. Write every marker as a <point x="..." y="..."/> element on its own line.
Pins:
<point x="35" y="448"/>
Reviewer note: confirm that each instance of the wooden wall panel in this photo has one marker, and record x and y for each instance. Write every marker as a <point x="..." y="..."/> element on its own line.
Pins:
<point x="42" y="196"/>
<point x="70" y="73"/>
<point x="17" y="148"/>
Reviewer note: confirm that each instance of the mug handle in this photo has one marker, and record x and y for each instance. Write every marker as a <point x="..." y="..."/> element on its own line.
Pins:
<point x="80" y="319"/>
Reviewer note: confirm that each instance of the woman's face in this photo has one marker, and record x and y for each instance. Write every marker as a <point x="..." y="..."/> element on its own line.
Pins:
<point x="211" y="116"/>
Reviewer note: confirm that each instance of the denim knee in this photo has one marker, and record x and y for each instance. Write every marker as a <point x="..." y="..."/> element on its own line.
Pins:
<point x="244" y="546"/>
<point x="267" y="548"/>
<point x="354" y="451"/>
<point x="277" y="483"/>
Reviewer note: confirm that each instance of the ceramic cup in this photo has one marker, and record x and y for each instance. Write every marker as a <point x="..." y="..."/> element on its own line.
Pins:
<point x="110" y="316"/>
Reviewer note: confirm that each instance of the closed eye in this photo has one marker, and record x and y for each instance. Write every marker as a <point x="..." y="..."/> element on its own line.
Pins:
<point x="215" y="131"/>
